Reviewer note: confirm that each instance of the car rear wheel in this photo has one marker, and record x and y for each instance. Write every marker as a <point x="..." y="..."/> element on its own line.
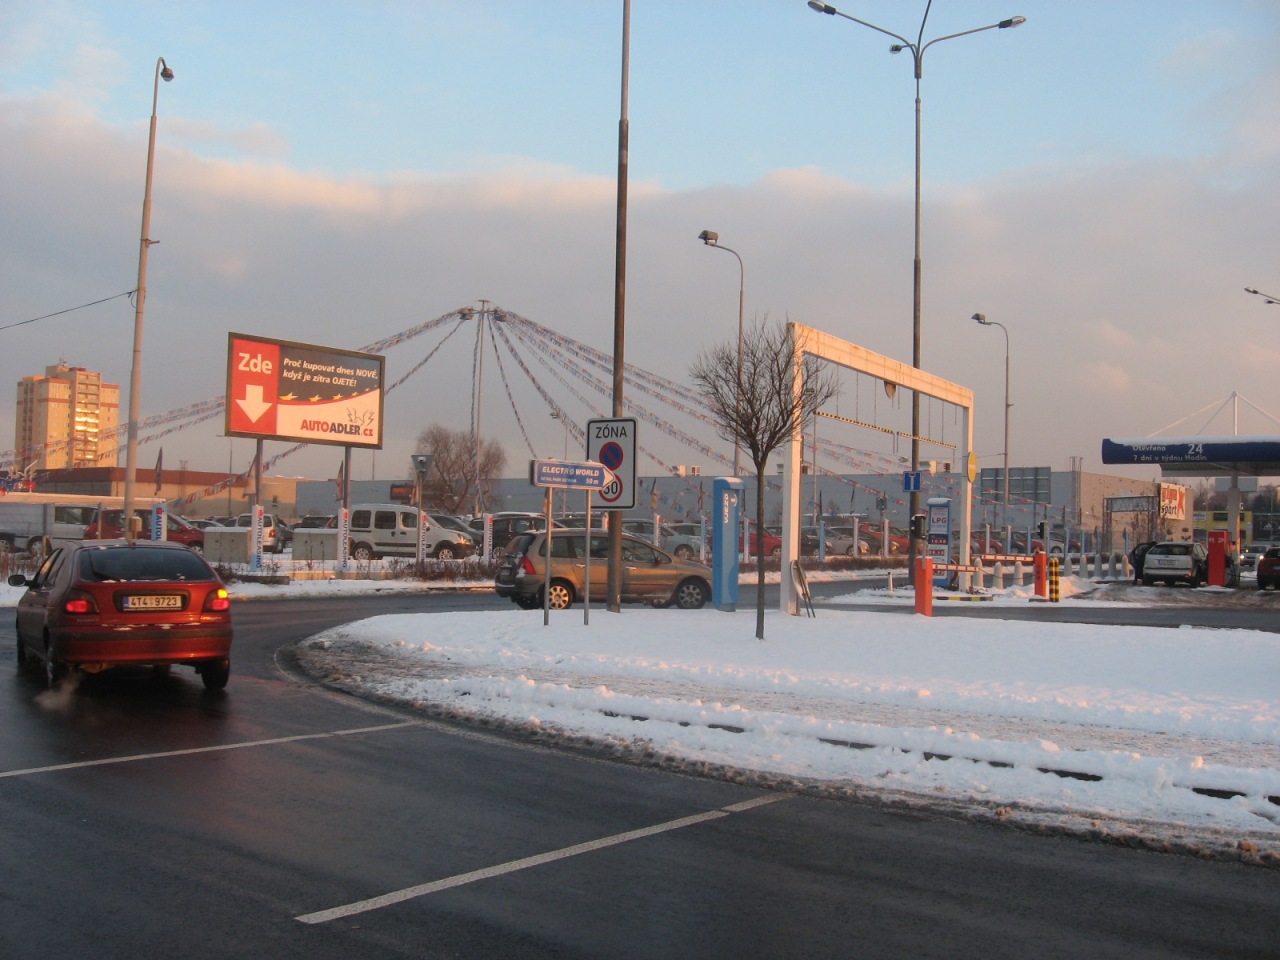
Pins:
<point x="54" y="669"/>
<point x="445" y="552"/>
<point x="362" y="552"/>
<point x="216" y="673"/>
<point x="691" y="595"/>
<point x="561" y="595"/>
<point x="684" y="551"/>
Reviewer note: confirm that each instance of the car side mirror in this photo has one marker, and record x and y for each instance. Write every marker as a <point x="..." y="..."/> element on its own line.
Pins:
<point x="18" y="580"/>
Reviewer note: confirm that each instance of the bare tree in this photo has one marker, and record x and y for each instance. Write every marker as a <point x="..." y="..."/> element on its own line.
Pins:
<point x="756" y="407"/>
<point x="452" y="478"/>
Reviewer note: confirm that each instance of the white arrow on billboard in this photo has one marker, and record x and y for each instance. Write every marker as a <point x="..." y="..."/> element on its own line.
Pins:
<point x="253" y="405"/>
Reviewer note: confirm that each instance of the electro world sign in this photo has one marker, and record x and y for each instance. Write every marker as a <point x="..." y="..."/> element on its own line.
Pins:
<point x="281" y="390"/>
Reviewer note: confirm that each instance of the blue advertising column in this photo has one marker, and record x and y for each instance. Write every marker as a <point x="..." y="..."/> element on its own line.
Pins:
<point x="726" y="507"/>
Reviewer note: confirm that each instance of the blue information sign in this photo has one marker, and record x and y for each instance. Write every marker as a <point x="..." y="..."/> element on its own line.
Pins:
<point x="585" y="475"/>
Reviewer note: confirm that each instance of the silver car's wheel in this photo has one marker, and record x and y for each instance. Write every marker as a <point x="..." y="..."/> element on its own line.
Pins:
<point x="362" y="552"/>
<point x="691" y="595"/>
<point x="445" y="552"/>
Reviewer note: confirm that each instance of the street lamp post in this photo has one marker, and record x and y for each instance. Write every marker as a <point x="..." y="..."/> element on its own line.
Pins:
<point x="564" y="491"/>
<point x="982" y="319"/>
<point x="140" y="295"/>
<point x="917" y="53"/>
<point x="712" y="239"/>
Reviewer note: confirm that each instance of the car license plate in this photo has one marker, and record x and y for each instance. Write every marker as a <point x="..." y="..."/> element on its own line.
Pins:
<point x="152" y="602"/>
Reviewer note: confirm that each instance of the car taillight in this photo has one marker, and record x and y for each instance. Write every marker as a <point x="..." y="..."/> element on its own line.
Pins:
<point x="79" y="602"/>
<point x="526" y="566"/>
<point x="217" y="601"/>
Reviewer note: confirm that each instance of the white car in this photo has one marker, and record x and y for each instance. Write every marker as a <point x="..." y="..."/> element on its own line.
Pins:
<point x="1175" y="561"/>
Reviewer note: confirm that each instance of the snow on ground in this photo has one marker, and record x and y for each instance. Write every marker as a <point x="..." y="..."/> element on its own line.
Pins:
<point x="1162" y="737"/>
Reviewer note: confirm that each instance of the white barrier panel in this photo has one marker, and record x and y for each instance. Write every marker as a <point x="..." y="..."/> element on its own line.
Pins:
<point x="226" y="544"/>
<point x="315" y="546"/>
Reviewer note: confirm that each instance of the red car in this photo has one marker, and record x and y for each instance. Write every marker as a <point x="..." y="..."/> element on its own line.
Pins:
<point x="109" y="526"/>
<point x="1269" y="569"/>
<point x="772" y="544"/>
<point x="97" y="604"/>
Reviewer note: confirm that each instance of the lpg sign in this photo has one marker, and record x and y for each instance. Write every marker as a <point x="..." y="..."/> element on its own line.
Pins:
<point x="295" y="391"/>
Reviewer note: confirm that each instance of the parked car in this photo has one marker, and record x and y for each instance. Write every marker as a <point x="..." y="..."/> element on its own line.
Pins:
<point x="505" y="526"/>
<point x="899" y="542"/>
<point x="808" y="539"/>
<point x="98" y="604"/>
<point x="110" y="526"/>
<point x="317" y="521"/>
<point x="1137" y="556"/>
<point x="649" y="575"/>
<point x="772" y="544"/>
<point x="840" y="542"/>
<point x="274" y="537"/>
<point x="678" y="544"/>
<point x="1269" y="569"/>
<point x="1176" y="561"/>
<point x="391" y="530"/>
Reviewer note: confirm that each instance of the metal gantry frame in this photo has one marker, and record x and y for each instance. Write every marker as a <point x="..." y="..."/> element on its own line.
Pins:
<point x="811" y="342"/>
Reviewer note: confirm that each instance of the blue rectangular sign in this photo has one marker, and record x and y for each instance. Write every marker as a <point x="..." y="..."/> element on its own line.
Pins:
<point x="910" y="481"/>
<point x="566" y="473"/>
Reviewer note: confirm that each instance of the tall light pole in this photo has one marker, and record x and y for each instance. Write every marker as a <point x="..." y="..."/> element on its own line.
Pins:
<point x="982" y="319"/>
<point x="917" y="53"/>
<point x="712" y="239"/>
<point x="564" y="491"/>
<point x="140" y="295"/>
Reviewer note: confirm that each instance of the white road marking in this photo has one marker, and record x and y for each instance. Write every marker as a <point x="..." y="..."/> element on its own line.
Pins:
<point x="409" y="893"/>
<point x="214" y="749"/>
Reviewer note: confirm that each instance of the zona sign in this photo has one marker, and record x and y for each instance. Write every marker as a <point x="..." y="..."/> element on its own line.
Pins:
<point x="613" y="443"/>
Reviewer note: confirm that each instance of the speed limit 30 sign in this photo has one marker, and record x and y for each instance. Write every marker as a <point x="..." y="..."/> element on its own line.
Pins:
<point x="613" y="443"/>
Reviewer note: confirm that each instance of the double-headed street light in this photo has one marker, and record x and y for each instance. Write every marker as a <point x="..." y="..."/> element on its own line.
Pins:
<point x="982" y="319"/>
<point x="135" y="374"/>
<point x="712" y="239"/>
<point x="917" y="53"/>
<point x="1267" y="298"/>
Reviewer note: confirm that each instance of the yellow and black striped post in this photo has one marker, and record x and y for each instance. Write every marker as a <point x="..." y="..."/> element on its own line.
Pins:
<point x="1054" y="580"/>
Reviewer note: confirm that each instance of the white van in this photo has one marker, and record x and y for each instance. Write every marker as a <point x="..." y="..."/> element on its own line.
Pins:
<point x="391" y="530"/>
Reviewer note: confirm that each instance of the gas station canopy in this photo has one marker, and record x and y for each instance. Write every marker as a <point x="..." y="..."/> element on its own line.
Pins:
<point x="1199" y="456"/>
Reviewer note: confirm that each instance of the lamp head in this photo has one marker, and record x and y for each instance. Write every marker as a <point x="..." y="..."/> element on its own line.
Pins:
<point x="1011" y="22"/>
<point x="982" y="318"/>
<point x="821" y="7"/>
<point x="165" y="73"/>
<point x="897" y="48"/>
<point x="709" y="237"/>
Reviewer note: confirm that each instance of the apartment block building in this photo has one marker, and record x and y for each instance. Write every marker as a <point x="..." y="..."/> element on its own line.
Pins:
<point x="66" y="418"/>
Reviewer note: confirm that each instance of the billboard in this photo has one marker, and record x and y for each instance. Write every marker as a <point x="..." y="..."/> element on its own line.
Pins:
<point x="279" y="390"/>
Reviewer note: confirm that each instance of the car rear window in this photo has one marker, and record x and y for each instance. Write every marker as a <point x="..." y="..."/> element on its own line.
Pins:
<point x="143" y="563"/>
<point x="519" y="544"/>
<point x="1172" y="549"/>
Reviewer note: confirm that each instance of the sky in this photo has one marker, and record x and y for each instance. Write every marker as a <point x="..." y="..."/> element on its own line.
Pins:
<point x="996" y="702"/>
<point x="1102" y="180"/>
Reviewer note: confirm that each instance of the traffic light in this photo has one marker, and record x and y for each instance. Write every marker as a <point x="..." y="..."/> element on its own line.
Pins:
<point x="1044" y="529"/>
<point x="919" y="526"/>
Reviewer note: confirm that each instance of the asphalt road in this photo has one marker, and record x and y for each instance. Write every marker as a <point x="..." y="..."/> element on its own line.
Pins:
<point x="146" y="818"/>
